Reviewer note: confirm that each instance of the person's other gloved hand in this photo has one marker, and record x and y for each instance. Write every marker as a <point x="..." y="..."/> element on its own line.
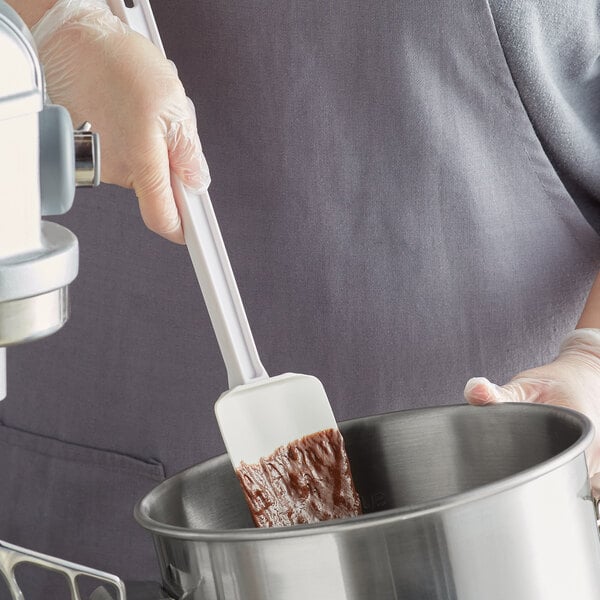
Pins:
<point x="571" y="380"/>
<point x="105" y="73"/>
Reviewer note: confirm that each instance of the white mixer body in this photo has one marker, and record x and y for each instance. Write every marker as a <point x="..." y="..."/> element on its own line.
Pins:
<point x="41" y="158"/>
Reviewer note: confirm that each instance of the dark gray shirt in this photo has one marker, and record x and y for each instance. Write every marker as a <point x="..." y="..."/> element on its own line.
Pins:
<point x="552" y="49"/>
<point x="393" y="221"/>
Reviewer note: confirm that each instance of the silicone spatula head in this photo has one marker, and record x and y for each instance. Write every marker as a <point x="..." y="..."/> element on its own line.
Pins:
<point x="287" y="451"/>
<point x="258" y="418"/>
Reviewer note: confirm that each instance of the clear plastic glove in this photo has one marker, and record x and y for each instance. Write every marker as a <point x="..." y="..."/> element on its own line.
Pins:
<point x="105" y="73"/>
<point x="571" y="380"/>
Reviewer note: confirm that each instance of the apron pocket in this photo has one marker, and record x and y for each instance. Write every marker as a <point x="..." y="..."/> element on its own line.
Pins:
<point x="76" y="503"/>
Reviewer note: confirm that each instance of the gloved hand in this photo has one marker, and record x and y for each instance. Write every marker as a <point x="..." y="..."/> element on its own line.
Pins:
<point x="105" y="73"/>
<point x="571" y="380"/>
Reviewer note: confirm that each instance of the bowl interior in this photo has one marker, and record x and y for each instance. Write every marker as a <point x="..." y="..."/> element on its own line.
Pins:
<point x="398" y="460"/>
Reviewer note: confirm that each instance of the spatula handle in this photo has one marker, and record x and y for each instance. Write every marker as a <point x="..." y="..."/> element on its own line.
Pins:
<point x="220" y="291"/>
<point x="205" y="245"/>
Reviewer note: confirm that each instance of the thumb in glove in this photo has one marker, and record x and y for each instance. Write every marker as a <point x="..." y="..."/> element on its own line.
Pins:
<point x="572" y="380"/>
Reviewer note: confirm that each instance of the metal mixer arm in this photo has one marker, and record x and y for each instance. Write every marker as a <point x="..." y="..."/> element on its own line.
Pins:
<point x="12" y="556"/>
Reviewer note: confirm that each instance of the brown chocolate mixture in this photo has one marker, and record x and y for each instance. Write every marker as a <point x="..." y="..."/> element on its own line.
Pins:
<point x="306" y="481"/>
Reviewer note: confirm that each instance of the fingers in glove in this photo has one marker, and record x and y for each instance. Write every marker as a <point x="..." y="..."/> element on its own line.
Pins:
<point x="481" y="391"/>
<point x="185" y="160"/>
<point x="185" y="152"/>
<point x="595" y="481"/>
<point x="180" y="153"/>
<point x="152" y="185"/>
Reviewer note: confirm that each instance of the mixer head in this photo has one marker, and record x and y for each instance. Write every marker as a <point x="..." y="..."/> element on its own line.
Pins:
<point x="42" y="160"/>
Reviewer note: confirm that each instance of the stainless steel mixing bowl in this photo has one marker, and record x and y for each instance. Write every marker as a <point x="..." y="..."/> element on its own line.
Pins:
<point x="462" y="503"/>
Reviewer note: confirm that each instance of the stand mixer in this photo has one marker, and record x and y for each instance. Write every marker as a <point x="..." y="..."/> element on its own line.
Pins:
<point x="42" y="160"/>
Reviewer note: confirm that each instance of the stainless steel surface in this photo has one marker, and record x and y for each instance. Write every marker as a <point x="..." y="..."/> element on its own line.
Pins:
<point x="87" y="156"/>
<point x="12" y="556"/>
<point x="463" y="503"/>
<point x="33" y="318"/>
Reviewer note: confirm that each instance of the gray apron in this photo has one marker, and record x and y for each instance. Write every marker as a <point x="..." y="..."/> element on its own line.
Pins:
<point x="393" y="220"/>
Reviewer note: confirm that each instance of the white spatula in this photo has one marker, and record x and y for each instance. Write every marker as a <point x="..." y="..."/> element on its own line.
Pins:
<point x="258" y="414"/>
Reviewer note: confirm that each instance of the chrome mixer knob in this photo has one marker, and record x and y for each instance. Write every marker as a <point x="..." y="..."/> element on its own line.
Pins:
<point x="87" y="156"/>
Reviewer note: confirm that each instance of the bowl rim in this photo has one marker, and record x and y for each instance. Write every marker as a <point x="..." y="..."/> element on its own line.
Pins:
<point x="141" y="510"/>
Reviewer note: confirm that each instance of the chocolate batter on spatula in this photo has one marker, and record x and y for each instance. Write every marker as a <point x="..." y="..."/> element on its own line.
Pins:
<point x="306" y="481"/>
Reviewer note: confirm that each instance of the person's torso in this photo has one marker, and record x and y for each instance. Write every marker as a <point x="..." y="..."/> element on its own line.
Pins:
<point x="393" y="221"/>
